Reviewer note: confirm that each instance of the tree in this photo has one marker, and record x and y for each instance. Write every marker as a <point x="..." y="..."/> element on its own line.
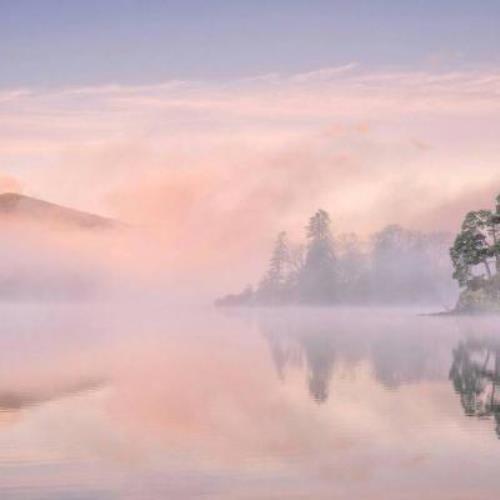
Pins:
<point x="318" y="280"/>
<point x="352" y="268"/>
<point x="272" y="286"/>
<point x="476" y="244"/>
<point x="296" y="260"/>
<point x="396" y="263"/>
<point x="407" y="265"/>
<point x="494" y="225"/>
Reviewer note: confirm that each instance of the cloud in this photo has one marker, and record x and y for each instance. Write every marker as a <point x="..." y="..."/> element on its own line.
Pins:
<point x="324" y="74"/>
<point x="214" y="169"/>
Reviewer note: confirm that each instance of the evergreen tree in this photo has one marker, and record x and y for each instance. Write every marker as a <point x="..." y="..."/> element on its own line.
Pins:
<point x="352" y="268"/>
<point x="272" y="286"/>
<point x="296" y="257"/>
<point x="318" y="277"/>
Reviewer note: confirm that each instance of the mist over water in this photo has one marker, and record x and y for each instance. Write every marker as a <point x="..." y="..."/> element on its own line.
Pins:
<point x="118" y="379"/>
<point x="130" y="400"/>
<point x="43" y="258"/>
<point x="246" y="248"/>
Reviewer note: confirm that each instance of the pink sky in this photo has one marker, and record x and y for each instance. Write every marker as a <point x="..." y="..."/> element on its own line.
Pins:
<point x="225" y="165"/>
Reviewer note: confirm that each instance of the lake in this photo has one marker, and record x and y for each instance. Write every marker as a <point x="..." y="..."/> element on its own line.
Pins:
<point x="128" y="401"/>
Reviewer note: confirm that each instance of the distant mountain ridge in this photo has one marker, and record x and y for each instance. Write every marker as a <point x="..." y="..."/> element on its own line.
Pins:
<point x="36" y="210"/>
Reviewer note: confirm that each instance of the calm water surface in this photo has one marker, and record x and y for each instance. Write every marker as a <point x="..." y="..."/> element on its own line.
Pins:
<point x="127" y="402"/>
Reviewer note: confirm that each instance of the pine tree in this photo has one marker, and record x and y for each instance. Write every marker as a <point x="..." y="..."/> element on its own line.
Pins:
<point x="272" y="286"/>
<point x="352" y="267"/>
<point x="318" y="278"/>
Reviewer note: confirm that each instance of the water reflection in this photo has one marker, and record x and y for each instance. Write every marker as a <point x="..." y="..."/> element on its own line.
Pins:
<point x="316" y="344"/>
<point x="297" y="345"/>
<point x="283" y="405"/>
<point x="320" y="356"/>
<point x="396" y="354"/>
<point x="404" y="359"/>
<point x="475" y="374"/>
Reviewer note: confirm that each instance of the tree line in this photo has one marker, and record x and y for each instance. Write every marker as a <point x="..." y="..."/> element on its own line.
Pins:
<point x="396" y="265"/>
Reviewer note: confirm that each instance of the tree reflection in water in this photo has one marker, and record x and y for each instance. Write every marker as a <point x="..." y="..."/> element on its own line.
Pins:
<point x="395" y="354"/>
<point x="299" y="345"/>
<point x="320" y="358"/>
<point x="475" y="373"/>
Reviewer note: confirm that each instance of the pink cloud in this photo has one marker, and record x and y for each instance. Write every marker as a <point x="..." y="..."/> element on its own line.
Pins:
<point x="213" y="169"/>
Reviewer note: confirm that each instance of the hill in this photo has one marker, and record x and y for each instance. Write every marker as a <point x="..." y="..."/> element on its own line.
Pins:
<point x="36" y="210"/>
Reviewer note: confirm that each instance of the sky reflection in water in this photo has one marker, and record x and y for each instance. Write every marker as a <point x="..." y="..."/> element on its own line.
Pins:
<point x="111" y="402"/>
